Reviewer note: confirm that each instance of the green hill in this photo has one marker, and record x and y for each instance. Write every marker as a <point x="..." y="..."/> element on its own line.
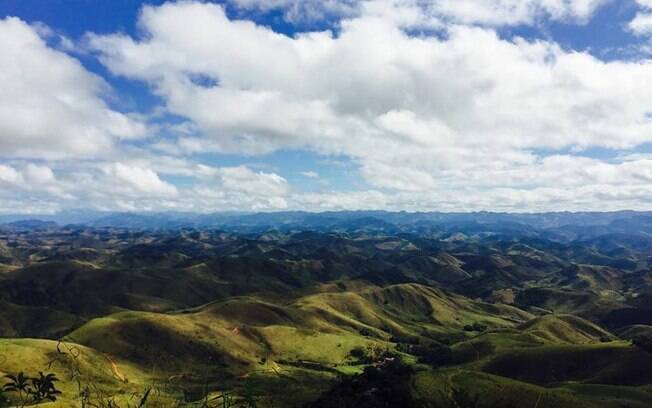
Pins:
<point x="516" y="316"/>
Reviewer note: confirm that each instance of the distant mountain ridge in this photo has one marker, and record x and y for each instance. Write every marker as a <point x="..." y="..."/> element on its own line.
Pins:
<point x="558" y="226"/>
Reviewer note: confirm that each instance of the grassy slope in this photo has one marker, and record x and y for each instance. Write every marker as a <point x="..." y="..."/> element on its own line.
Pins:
<point x="615" y="363"/>
<point x="324" y="327"/>
<point x="565" y="329"/>
<point x="41" y="322"/>
<point x="269" y="342"/>
<point x="434" y="389"/>
<point x="34" y="355"/>
<point x="255" y="344"/>
<point x="630" y="332"/>
<point x="409" y="310"/>
<point x="537" y="332"/>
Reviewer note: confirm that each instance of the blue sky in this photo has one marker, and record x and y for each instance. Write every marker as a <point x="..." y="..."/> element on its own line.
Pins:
<point x="75" y="18"/>
<point x="267" y="105"/>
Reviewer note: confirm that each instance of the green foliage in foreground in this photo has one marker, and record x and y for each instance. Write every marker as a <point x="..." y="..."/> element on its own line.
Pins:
<point x="4" y="401"/>
<point x="30" y="390"/>
<point x="92" y="395"/>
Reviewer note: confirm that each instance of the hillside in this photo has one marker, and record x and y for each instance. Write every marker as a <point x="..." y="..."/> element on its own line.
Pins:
<point x="192" y="313"/>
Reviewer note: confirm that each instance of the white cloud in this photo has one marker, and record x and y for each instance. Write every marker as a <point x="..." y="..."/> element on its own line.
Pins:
<point x="451" y="122"/>
<point x="472" y="87"/>
<point x="513" y="12"/>
<point x="421" y="115"/>
<point x="39" y="175"/>
<point x="50" y="106"/>
<point x="641" y="24"/>
<point x="9" y="175"/>
<point x="336" y="200"/>
<point x="32" y="181"/>
<point x="139" y="181"/>
<point x="431" y="12"/>
<point x="303" y="10"/>
<point x="238" y="188"/>
<point x="577" y="183"/>
<point x="243" y="179"/>
<point x="27" y="206"/>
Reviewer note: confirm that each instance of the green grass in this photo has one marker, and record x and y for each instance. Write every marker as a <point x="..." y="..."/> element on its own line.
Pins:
<point x="251" y="344"/>
<point x="434" y="389"/>
<point x="615" y="363"/>
<point x="631" y="332"/>
<point x="41" y="322"/>
<point x="86" y="364"/>
<point x="565" y="329"/>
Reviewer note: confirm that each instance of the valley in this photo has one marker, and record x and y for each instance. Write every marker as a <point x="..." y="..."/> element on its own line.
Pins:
<point x="333" y="310"/>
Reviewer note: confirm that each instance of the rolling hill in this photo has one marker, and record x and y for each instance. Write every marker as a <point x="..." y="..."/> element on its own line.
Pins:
<point x="509" y="310"/>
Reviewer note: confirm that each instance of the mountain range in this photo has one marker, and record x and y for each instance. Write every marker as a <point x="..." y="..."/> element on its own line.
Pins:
<point x="331" y="309"/>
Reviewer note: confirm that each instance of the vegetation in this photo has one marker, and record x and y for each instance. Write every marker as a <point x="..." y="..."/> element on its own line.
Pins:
<point x="426" y="316"/>
<point x="31" y="390"/>
<point x="643" y="341"/>
<point x="384" y="385"/>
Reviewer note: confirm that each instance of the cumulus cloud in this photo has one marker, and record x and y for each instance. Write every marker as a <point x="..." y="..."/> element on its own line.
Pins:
<point x="135" y="180"/>
<point x="356" y="200"/>
<point x="135" y="186"/>
<point x="513" y="12"/>
<point x="462" y="120"/>
<point x="50" y="106"/>
<point x="464" y="113"/>
<point x="473" y="86"/>
<point x="641" y="24"/>
<point x="431" y="12"/>
<point x="299" y="11"/>
<point x="9" y="175"/>
<point x="31" y="181"/>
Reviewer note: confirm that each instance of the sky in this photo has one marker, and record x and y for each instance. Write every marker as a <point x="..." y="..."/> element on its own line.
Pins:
<point x="270" y="105"/>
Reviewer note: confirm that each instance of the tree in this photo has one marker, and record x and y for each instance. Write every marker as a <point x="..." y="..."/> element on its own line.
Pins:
<point x="18" y="384"/>
<point x="462" y="399"/>
<point x="4" y="401"/>
<point x="643" y="341"/>
<point x="435" y="355"/>
<point x="43" y="388"/>
<point x="386" y="385"/>
<point x="32" y="389"/>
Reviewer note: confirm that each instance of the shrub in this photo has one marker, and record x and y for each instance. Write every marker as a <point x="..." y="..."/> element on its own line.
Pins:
<point x="32" y="390"/>
<point x="4" y="401"/>
<point x="366" y="332"/>
<point x="383" y="386"/>
<point x="479" y="327"/>
<point x="463" y="399"/>
<point x="404" y="339"/>
<point x="643" y="341"/>
<point x="43" y="388"/>
<point x="372" y="354"/>
<point x="358" y="353"/>
<point x="435" y="355"/>
<point x="404" y="348"/>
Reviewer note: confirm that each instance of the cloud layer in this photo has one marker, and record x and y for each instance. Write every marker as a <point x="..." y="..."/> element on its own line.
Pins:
<point x="462" y="119"/>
